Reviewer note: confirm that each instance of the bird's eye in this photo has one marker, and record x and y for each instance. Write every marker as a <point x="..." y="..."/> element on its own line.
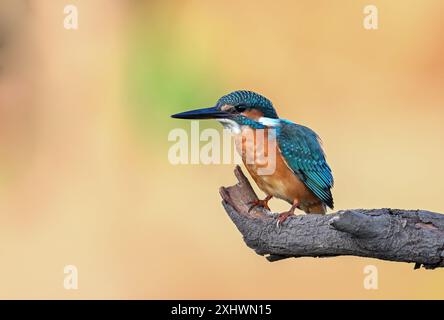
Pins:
<point x="240" y="108"/>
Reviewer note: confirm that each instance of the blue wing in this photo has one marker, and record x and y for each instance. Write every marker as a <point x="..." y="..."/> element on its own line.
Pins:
<point x="303" y="153"/>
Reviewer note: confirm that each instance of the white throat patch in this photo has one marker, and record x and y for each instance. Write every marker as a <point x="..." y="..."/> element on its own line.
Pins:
<point x="231" y="125"/>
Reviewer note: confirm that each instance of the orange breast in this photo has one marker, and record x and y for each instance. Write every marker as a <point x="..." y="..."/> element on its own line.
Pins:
<point x="256" y="148"/>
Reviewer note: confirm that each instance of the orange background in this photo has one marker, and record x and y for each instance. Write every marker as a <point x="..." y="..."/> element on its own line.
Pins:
<point x="84" y="120"/>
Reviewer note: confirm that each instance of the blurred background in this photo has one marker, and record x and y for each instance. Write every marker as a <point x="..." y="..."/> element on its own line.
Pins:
<point x="84" y="120"/>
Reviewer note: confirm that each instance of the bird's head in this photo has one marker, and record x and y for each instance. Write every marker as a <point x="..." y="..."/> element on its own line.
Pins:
<point x="234" y="107"/>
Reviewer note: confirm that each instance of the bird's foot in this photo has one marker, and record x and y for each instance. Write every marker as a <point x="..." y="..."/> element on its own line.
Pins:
<point x="285" y="215"/>
<point x="260" y="203"/>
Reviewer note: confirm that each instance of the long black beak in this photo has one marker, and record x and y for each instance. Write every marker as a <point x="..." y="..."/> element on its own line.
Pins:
<point x="206" y="113"/>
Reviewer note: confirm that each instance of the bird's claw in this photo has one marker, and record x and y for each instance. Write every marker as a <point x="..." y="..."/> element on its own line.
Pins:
<point x="282" y="217"/>
<point x="258" y="203"/>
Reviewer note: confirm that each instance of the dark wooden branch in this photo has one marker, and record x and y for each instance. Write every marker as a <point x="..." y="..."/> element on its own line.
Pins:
<point x="414" y="236"/>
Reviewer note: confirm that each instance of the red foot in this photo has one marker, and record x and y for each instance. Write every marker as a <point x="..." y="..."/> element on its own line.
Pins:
<point x="283" y="216"/>
<point x="260" y="203"/>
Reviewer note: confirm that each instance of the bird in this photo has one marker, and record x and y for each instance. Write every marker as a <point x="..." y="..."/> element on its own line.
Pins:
<point x="301" y="175"/>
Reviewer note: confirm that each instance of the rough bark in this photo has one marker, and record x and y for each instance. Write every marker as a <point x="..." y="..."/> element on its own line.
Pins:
<point x="414" y="236"/>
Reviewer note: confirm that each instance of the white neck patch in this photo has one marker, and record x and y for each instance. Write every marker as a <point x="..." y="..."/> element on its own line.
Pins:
<point x="269" y="122"/>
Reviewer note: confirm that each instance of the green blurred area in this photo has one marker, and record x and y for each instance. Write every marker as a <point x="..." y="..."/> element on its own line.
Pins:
<point x="163" y="79"/>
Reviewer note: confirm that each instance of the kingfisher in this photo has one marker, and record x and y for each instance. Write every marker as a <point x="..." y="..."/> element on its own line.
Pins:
<point x="301" y="174"/>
